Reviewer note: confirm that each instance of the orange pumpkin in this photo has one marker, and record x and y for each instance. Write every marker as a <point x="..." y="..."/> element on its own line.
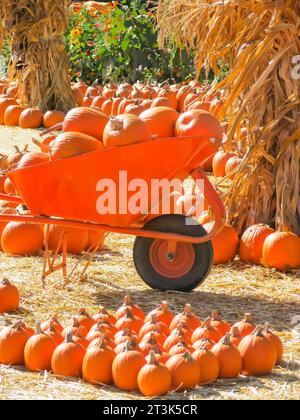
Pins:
<point x="97" y="364"/>
<point x="71" y="144"/>
<point x="129" y="321"/>
<point x="209" y="365"/>
<point x="225" y="244"/>
<point x="252" y="241"/>
<point x="154" y="379"/>
<point x="235" y="336"/>
<point x="219" y="324"/>
<point x="9" y="297"/>
<point x="246" y="326"/>
<point x="126" y="367"/>
<point x="198" y="123"/>
<point x="276" y="341"/>
<point x="4" y="104"/>
<point x="85" y="319"/>
<point x="98" y="101"/>
<point x="52" y="118"/>
<point x="76" y="329"/>
<point x="147" y="345"/>
<point x="31" y="118"/>
<point x="153" y="324"/>
<point x="107" y="106"/>
<point x="163" y="314"/>
<point x="104" y="315"/>
<point x="161" y="102"/>
<point x="33" y="158"/>
<point x="219" y="163"/>
<point x="38" y="351"/>
<point x="125" y="129"/>
<point x="76" y="239"/>
<point x="67" y="358"/>
<point x="230" y="360"/>
<point x="19" y="238"/>
<point x="53" y="321"/>
<point x="232" y="164"/>
<point x="129" y="304"/>
<point x="281" y="250"/>
<point x="89" y="121"/>
<point x="78" y="95"/>
<point x="188" y="317"/>
<point x="207" y="331"/>
<point x="185" y="371"/>
<point x="136" y="108"/>
<point x="12" y="343"/>
<point x="181" y="96"/>
<point x="259" y="354"/>
<point x="203" y="341"/>
<point x="160" y="121"/>
<point x="12" y="115"/>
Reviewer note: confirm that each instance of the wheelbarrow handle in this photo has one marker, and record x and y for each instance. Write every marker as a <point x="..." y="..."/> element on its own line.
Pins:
<point x="214" y="200"/>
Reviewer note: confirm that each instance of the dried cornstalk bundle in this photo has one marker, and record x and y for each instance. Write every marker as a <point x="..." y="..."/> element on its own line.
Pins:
<point x="39" y="62"/>
<point x="258" y="40"/>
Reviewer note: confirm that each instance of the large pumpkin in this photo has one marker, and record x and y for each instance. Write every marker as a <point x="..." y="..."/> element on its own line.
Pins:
<point x="12" y="343"/>
<point x="20" y="238"/>
<point x="12" y="115"/>
<point x="160" y="121"/>
<point x="52" y="118"/>
<point x="125" y="129"/>
<point x="252" y="243"/>
<point x="31" y="118"/>
<point x="198" y="123"/>
<point x="4" y="104"/>
<point x="281" y="250"/>
<point x="225" y="244"/>
<point x="76" y="239"/>
<point x="219" y="163"/>
<point x="71" y="144"/>
<point x="89" y="121"/>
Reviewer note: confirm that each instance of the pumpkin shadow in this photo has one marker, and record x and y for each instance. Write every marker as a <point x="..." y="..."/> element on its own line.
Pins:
<point x="232" y="307"/>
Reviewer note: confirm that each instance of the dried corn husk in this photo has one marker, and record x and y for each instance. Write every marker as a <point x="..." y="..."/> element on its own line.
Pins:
<point x="258" y="40"/>
<point x="39" y="61"/>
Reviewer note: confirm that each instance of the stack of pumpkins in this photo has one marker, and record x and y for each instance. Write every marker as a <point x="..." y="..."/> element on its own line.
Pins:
<point x="153" y="353"/>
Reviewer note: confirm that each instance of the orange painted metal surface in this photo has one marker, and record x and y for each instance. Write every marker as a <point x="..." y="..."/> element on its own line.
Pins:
<point x="67" y="188"/>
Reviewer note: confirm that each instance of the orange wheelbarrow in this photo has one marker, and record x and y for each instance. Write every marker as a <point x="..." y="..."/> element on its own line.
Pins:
<point x="172" y="251"/>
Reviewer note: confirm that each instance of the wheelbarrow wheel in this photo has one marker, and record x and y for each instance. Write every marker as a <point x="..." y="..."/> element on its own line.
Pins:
<point x="190" y="265"/>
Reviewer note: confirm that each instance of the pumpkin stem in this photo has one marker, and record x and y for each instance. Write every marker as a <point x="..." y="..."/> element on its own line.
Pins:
<point x="69" y="338"/>
<point x="127" y="301"/>
<point x="206" y="323"/>
<point x="187" y="356"/>
<point x="76" y="323"/>
<point x="164" y="306"/>
<point x="187" y="310"/>
<point x="248" y="318"/>
<point x="153" y="360"/>
<point x="5" y="282"/>
<point x="18" y="325"/>
<point x="234" y="332"/>
<point x="38" y="328"/>
<point x="226" y="340"/>
<point x="216" y="316"/>
<point x="127" y="346"/>
<point x="267" y="327"/>
<point x="154" y="319"/>
<point x="43" y="147"/>
<point x="102" y="310"/>
<point x="259" y="331"/>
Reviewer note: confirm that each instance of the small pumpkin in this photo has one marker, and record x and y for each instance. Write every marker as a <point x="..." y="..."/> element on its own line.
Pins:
<point x="163" y="314"/>
<point x="219" y="163"/>
<point x="245" y="326"/>
<point x="20" y="238"/>
<point x="209" y="365"/>
<point x="276" y="341"/>
<point x="67" y="358"/>
<point x="159" y="337"/>
<point x="229" y="357"/>
<point x="76" y="239"/>
<point x="9" y="297"/>
<point x="147" y="345"/>
<point x="129" y="321"/>
<point x="231" y="166"/>
<point x="52" y="332"/>
<point x="39" y="350"/>
<point x="54" y="322"/>
<point x="281" y="250"/>
<point x="154" y="379"/>
<point x="134" y="308"/>
<point x="12" y="115"/>
<point x="174" y="338"/>
<point x="258" y="352"/>
<point x="203" y="341"/>
<point x="123" y="336"/>
<point x="83" y="342"/>
<point x="207" y="331"/>
<point x="235" y="336"/>
<point x="75" y="329"/>
<point x="188" y="317"/>
<point x="252" y="242"/>
<point x="85" y="319"/>
<point x="219" y="324"/>
<point x="126" y="367"/>
<point x="97" y="364"/>
<point x="52" y="118"/>
<point x="12" y="343"/>
<point x="225" y="243"/>
<point x="133" y="346"/>
<point x="104" y="315"/>
<point x="160" y="355"/>
<point x="32" y="158"/>
<point x="180" y="348"/>
<point x="153" y="324"/>
<point x="185" y="371"/>
<point x="99" y="329"/>
<point x="109" y="343"/>
<point x="4" y="104"/>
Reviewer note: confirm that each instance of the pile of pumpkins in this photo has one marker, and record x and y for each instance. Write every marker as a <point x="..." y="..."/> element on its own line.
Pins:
<point x="117" y="115"/>
<point x="154" y="353"/>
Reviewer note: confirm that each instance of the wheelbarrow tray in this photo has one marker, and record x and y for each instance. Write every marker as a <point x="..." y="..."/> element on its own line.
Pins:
<point x="67" y="188"/>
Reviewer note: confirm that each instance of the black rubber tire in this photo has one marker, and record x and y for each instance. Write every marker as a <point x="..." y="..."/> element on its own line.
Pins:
<point x="203" y="252"/>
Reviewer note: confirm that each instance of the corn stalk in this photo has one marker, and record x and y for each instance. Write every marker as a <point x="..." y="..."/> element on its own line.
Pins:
<point x="257" y="39"/>
<point x="39" y="62"/>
